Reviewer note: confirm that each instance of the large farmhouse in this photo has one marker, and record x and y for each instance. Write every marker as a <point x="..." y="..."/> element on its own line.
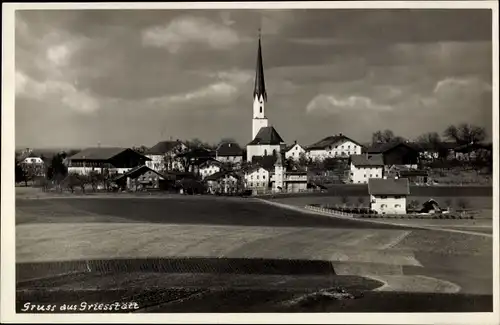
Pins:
<point x="336" y="146"/>
<point x="113" y="160"/>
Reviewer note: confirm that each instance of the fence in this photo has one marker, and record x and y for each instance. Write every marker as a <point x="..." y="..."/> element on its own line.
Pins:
<point x="329" y="211"/>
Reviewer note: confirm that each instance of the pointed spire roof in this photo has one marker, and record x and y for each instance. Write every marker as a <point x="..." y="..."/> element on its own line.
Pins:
<point x="260" y="85"/>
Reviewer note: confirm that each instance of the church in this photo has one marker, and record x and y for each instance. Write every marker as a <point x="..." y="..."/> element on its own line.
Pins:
<point x="266" y="141"/>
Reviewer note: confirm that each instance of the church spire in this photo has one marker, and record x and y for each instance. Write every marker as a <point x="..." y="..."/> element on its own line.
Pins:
<point x="260" y="86"/>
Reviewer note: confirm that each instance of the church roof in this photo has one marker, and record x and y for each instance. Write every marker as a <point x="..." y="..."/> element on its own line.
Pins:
<point x="260" y="85"/>
<point x="267" y="135"/>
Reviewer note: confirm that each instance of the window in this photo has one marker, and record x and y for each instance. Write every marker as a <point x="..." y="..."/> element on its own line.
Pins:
<point x="261" y="108"/>
<point x="251" y="177"/>
<point x="352" y="174"/>
<point x="263" y="176"/>
<point x="265" y="152"/>
<point x="257" y="176"/>
<point x="397" y="205"/>
<point x="383" y="206"/>
<point x="365" y="175"/>
<point x="371" y="175"/>
<point x="251" y="184"/>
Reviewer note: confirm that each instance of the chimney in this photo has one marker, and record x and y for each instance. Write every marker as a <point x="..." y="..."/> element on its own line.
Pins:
<point x="340" y="134"/>
<point x="295" y="142"/>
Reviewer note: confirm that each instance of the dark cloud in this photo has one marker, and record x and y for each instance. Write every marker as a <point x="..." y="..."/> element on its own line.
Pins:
<point x="129" y="77"/>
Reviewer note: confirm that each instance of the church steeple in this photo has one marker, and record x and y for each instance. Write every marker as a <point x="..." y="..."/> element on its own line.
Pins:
<point x="260" y="86"/>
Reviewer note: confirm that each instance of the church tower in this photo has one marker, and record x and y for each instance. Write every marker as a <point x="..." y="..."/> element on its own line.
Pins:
<point x="259" y="96"/>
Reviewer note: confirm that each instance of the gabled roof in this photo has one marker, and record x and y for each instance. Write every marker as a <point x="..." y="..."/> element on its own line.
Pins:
<point x="253" y="168"/>
<point x="163" y="147"/>
<point x="290" y="147"/>
<point x="390" y="186"/>
<point x="211" y="162"/>
<point x="368" y="160"/>
<point x="137" y="171"/>
<point x="329" y="141"/>
<point x="229" y="149"/>
<point x="384" y="147"/>
<point x="99" y="153"/>
<point x="266" y="162"/>
<point x="267" y="135"/>
<point x="221" y="174"/>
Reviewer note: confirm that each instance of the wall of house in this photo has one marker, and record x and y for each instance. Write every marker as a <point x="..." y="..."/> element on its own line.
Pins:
<point x="340" y="149"/>
<point x="230" y="159"/>
<point x="360" y="175"/>
<point x="146" y="176"/>
<point x="87" y="170"/>
<point x="258" y="179"/>
<point x="156" y="162"/>
<point x="225" y="185"/>
<point x="261" y="150"/>
<point x="388" y="204"/>
<point x="295" y="152"/>
<point x="209" y="170"/>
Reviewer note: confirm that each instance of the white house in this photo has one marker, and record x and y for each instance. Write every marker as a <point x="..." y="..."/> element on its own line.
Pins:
<point x="162" y="155"/>
<point x="32" y="160"/>
<point x="229" y="152"/>
<point x="257" y="178"/>
<point x="210" y="167"/>
<point x="388" y="196"/>
<point x="337" y="146"/>
<point x="365" y="166"/>
<point x="294" y="151"/>
<point x="226" y="182"/>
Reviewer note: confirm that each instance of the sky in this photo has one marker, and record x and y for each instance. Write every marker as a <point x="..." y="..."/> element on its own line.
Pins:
<point x="136" y="77"/>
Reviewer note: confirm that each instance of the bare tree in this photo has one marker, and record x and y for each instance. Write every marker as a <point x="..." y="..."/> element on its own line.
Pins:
<point x="465" y="134"/>
<point x="386" y="136"/>
<point x="361" y="201"/>
<point x="345" y="200"/>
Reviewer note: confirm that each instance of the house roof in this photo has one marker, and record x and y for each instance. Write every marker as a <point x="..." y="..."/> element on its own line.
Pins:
<point x="290" y="147"/>
<point x="163" y="147"/>
<point x="266" y="162"/>
<point x="267" y="135"/>
<point x="220" y="174"/>
<point x="384" y="147"/>
<point x="137" y="171"/>
<point x="229" y="149"/>
<point x="329" y="141"/>
<point x="367" y="160"/>
<point x="210" y="162"/>
<point x="98" y="153"/>
<point x="390" y="186"/>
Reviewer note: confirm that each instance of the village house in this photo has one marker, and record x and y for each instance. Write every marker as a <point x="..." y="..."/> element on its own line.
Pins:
<point x="365" y="166"/>
<point x="294" y="151"/>
<point x="113" y="160"/>
<point x="223" y="182"/>
<point x="337" y="146"/>
<point x="229" y="152"/>
<point x="163" y="155"/>
<point x="388" y="196"/>
<point x="210" y="167"/>
<point x="396" y="154"/>
<point x="287" y="181"/>
<point x="143" y="178"/>
<point x="257" y="178"/>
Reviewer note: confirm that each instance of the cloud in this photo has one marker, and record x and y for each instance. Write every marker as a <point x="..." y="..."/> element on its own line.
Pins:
<point x="190" y="29"/>
<point x="459" y="86"/>
<point x="219" y="92"/>
<point x="51" y="91"/>
<point x="332" y="104"/>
